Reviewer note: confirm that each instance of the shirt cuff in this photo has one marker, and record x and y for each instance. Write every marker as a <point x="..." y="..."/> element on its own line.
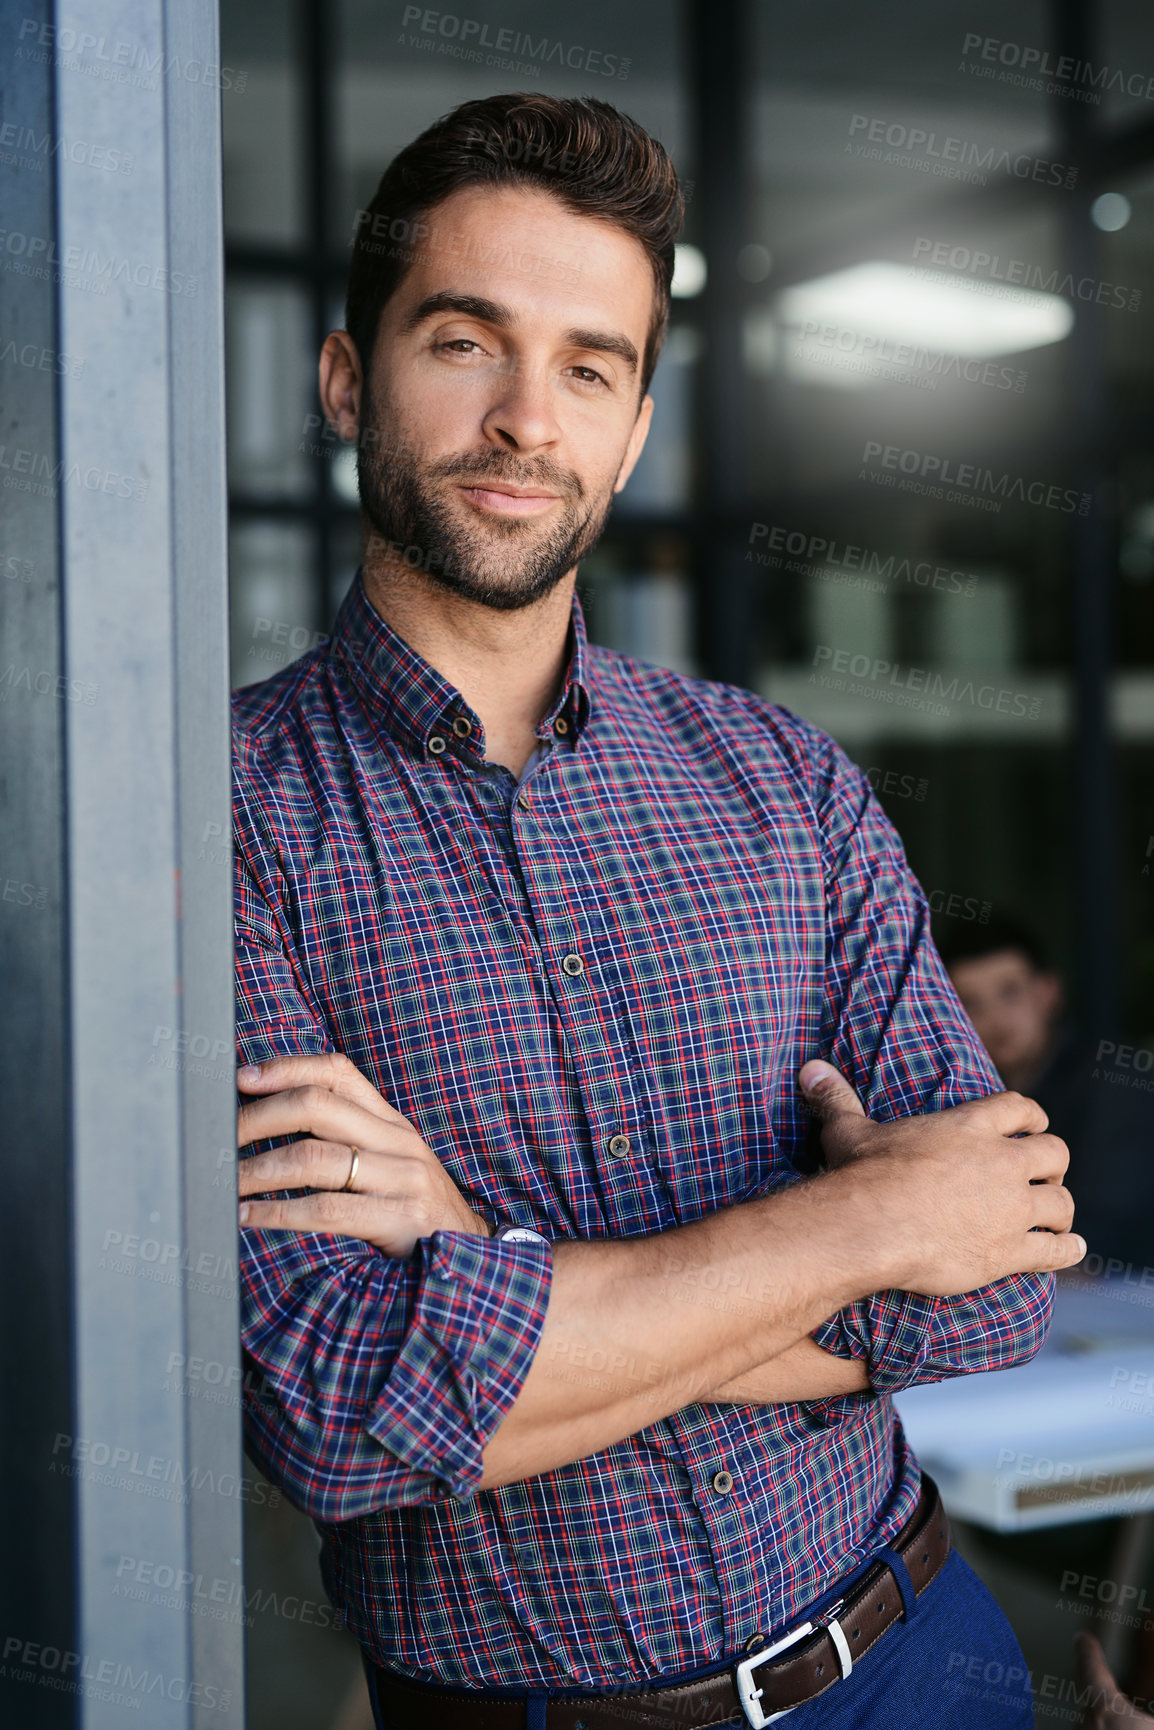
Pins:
<point x="893" y="1332"/>
<point x="474" y="1333"/>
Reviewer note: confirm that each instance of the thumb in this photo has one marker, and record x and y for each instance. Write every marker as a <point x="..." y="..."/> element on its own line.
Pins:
<point x="827" y="1091"/>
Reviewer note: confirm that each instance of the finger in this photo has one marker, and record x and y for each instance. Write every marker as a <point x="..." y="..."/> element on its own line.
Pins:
<point x="331" y="1069"/>
<point x="1051" y="1207"/>
<point x="1093" y="1673"/>
<point x="1011" y="1113"/>
<point x="349" y="1215"/>
<point x="318" y="1111"/>
<point x="1050" y="1252"/>
<point x="827" y="1091"/>
<point x="1046" y="1157"/>
<point x="306" y="1165"/>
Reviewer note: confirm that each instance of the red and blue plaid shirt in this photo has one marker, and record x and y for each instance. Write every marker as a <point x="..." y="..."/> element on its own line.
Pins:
<point x="740" y="903"/>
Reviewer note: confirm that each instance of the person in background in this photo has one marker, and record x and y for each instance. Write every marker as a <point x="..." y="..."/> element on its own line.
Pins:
<point x="1103" y="1703"/>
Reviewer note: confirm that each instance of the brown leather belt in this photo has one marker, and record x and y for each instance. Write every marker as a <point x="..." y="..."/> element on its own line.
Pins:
<point x="812" y="1659"/>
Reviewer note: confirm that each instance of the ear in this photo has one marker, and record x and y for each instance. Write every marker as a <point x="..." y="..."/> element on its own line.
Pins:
<point x="636" y="443"/>
<point x="340" y="383"/>
<point x="1052" y="994"/>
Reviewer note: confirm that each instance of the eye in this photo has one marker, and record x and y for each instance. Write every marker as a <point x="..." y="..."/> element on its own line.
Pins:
<point x="458" y="344"/>
<point x="592" y="378"/>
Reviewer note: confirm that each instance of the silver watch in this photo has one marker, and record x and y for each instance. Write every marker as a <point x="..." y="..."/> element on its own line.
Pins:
<point x="519" y="1234"/>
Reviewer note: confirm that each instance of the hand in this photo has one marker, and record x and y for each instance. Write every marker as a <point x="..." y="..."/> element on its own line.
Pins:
<point x="952" y="1200"/>
<point x="1105" y="1706"/>
<point x="401" y="1192"/>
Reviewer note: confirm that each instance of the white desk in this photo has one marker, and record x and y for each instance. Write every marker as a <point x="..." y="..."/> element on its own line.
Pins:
<point x="1069" y="1436"/>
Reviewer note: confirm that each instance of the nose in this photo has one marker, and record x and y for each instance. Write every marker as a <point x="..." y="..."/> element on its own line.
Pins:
<point x="521" y="415"/>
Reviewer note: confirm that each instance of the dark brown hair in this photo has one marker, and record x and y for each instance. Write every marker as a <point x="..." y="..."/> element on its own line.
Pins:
<point x="594" y="159"/>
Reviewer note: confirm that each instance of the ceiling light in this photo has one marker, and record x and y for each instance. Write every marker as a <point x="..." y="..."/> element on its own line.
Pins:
<point x="688" y="272"/>
<point x="854" y="327"/>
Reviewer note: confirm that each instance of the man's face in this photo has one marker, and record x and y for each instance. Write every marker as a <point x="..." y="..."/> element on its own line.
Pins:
<point x="1012" y="1006"/>
<point x="501" y="414"/>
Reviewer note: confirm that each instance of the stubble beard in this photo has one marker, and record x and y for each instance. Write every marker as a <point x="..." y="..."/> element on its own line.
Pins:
<point x="500" y="562"/>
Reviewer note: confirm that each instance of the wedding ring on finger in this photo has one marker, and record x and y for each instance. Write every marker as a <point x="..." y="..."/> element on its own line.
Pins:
<point x="348" y="1183"/>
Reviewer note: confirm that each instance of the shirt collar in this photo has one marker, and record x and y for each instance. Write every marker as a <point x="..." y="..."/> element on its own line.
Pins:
<point x="416" y="704"/>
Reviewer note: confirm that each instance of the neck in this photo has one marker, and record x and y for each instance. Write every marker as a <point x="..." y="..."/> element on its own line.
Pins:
<point x="508" y="666"/>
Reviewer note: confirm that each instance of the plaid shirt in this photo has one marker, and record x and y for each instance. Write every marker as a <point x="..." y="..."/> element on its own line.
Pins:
<point x="738" y="903"/>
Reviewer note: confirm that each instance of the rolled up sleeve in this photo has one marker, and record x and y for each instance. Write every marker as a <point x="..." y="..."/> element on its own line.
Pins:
<point x="371" y="1381"/>
<point x="893" y="1025"/>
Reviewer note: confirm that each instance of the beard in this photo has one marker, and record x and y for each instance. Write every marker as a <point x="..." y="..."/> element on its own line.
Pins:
<point x="500" y="562"/>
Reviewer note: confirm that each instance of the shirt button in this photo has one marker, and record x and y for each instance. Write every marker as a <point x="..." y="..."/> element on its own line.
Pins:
<point x="619" y="1146"/>
<point x="572" y="964"/>
<point x="560" y="725"/>
<point x="436" y="744"/>
<point x="462" y="728"/>
<point x="754" y="1641"/>
<point x="723" y="1482"/>
<point x="523" y="801"/>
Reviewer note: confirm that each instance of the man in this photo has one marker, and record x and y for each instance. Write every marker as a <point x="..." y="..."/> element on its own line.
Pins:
<point x="1011" y="994"/>
<point x="538" y="938"/>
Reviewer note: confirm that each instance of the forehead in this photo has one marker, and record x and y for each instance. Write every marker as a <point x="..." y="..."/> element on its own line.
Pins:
<point x="999" y="967"/>
<point x="525" y="249"/>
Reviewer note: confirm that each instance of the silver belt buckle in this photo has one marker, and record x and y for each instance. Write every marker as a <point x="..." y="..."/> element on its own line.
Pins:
<point x="750" y="1696"/>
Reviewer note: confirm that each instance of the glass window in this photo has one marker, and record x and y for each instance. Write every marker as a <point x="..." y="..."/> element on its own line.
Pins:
<point x="275" y="428"/>
<point x="263" y="123"/>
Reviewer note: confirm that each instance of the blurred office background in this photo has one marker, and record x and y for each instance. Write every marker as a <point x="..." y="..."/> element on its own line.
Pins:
<point x="913" y="326"/>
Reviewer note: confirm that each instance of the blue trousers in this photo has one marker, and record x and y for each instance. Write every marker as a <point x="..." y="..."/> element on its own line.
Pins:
<point x="953" y="1663"/>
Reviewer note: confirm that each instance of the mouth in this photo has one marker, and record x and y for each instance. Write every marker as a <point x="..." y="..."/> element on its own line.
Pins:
<point x="508" y="501"/>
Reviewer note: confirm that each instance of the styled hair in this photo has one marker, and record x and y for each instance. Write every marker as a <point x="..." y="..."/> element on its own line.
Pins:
<point x="973" y="942"/>
<point x="593" y="159"/>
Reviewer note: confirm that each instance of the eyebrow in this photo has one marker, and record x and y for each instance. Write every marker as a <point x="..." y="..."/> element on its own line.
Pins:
<point x="492" y="312"/>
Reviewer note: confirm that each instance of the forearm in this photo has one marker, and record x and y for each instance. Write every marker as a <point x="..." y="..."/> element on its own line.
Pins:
<point x="633" y="1332"/>
<point x="805" y="1371"/>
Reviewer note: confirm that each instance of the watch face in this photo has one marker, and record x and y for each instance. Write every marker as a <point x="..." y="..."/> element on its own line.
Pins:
<point x="521" y="1234"/>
